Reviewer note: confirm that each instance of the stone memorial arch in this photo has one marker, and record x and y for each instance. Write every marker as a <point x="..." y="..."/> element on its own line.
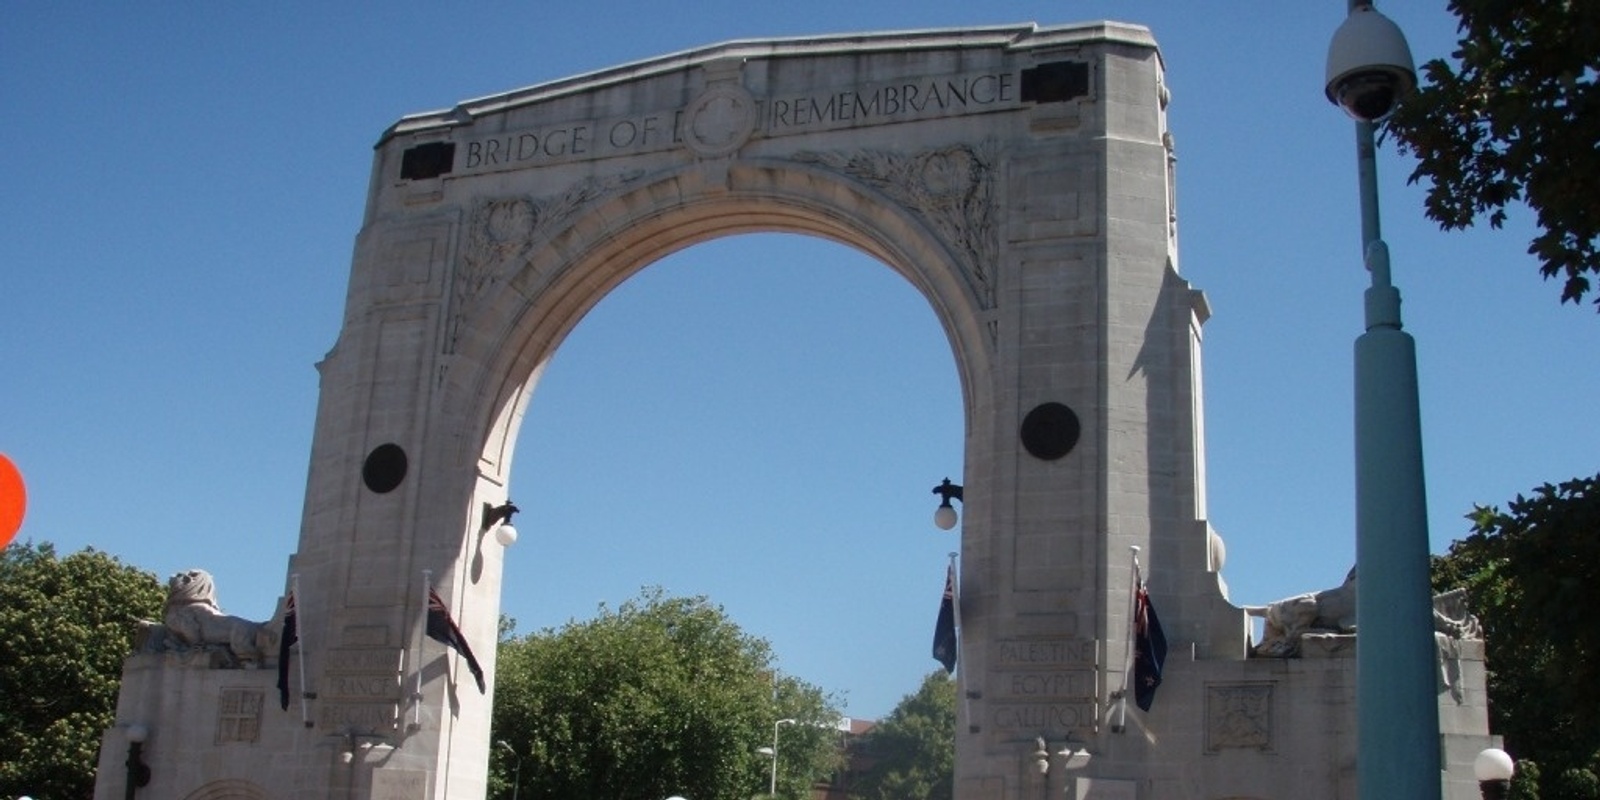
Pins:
<point x="1019" y="177"/>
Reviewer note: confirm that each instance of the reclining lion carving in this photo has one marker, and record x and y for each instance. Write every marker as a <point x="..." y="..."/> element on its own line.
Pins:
<point x="1334" y="611"/>
<point x="192" y="620"/>
<point x="1330" y="610"/>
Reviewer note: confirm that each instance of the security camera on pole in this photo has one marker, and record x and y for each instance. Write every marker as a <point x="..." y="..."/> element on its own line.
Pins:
<point x="1369" y="70"/>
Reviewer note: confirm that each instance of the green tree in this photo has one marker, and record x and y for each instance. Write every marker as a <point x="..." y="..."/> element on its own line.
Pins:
<point x="1524" y="781"/>
<point x="66" y="624"/>
<point x="1515" y="119"/>
<point x="1532" y="575"/>
<point x="663" y="696"/>
<point x="912" y="753"/>
<point x="1577" y="783"/>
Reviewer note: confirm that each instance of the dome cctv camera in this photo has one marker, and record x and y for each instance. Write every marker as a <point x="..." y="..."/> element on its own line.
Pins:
<point x="1370" y="95"/>
<point x="1369" y="65"/>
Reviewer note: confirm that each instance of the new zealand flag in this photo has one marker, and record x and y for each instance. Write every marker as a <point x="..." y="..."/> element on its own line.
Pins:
<point x="290" y="635"/>
<point x="443" y="629"/>
<point x="1149" y="649"/>
<point x="944" y="631"/>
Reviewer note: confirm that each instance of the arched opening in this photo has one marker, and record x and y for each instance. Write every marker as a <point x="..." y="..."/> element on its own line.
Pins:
<point x="533" y="275"/>
<point x="757" y="419"/>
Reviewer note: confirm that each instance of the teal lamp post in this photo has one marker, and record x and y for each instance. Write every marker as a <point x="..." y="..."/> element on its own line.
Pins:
<point x="1369" y="70"/>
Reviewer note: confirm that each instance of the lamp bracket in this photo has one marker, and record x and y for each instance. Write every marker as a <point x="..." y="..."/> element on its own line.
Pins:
<point x="493" y="514"/>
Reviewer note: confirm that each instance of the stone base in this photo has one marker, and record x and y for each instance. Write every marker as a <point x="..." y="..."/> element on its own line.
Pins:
<point x="1243" y="728"/>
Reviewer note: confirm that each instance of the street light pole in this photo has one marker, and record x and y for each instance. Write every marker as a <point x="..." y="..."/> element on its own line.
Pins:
<point x="772" y="787"/>
<point x="516" y="785"/>
<point x="1396" y="706"/>
<point x="1369" y="68"/>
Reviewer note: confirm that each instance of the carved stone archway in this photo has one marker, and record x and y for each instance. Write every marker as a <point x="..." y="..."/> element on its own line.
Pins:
<point x="1020" y="178"/>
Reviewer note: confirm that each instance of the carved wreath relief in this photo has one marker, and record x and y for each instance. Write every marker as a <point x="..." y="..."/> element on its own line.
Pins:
<point x="721" y="120"/>
<point x="503" y="232"/>
<point x="951" y="189"/>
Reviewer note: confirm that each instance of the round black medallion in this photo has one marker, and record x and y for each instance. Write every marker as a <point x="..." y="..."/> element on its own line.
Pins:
<point x="385" y="468"/>
<point x="1050" y="431"/>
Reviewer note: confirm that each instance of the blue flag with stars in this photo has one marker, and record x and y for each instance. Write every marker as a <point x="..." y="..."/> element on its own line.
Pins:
<point x="944" y="630"/>
<point x="1149" y="649"/>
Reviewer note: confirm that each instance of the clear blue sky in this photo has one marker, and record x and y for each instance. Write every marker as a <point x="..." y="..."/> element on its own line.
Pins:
<point x="759" y="419"/>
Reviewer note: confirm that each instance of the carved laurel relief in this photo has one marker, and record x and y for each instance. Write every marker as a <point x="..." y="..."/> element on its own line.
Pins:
<point x="951" y="189"/>
<point x="504" y="233"/>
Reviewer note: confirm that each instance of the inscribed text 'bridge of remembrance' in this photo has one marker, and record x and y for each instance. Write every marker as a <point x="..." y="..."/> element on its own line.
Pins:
<point x="1019" y="177"/>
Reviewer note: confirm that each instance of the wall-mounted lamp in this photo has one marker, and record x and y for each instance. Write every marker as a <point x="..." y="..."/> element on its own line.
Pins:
<point x="138" y="771"/>
<point x="945" y="515"/>
<point x="505" y="534"/>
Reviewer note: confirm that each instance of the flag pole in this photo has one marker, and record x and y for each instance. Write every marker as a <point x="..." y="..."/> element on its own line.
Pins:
<point x="416" y="695"/>
<point x="294" y="592"/>
<point x="1119" y="720"/>
<point x="955" y="607"/>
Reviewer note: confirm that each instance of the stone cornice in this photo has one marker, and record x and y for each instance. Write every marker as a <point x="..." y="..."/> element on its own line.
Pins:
<point x="1025" y="36"/>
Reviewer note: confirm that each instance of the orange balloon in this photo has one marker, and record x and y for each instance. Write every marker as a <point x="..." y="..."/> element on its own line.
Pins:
<point x="13" y="500"/>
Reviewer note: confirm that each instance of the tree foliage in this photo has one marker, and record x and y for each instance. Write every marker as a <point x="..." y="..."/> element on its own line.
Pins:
<point x="912" y="753"/>
<point x="661" y="697"/>
<point x="66" y="624"/>
<point x="1532" y="575"/>
<point x="1516" y="119"/>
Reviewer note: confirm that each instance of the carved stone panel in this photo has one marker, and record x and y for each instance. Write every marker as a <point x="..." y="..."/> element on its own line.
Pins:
<point x="362" y="690"/>
<point x="1106" y="789"/>
<point x="412" y="265"/>
<point x="400" y="784"/>
<point x="1239" y="716"/>
<point x="1044" y="684"/>
<point x="239" y="715"/>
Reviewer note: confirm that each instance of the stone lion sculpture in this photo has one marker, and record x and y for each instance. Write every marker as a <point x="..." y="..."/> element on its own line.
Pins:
<point x="1333" y="610"/>
<point x="1330" y="611"/>
<point x="191" y="619"/>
